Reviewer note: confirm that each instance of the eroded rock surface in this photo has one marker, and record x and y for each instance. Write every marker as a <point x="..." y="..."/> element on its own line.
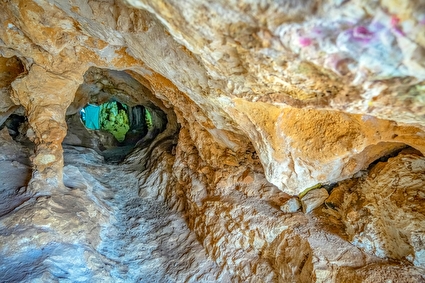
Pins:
<point x="383" y="212"/>
<point x="97" y="229"/>
<point x="254" y="103"/>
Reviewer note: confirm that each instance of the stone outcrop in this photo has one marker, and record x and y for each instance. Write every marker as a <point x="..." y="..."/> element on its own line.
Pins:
<point x="45" y="97"/>
<point x="383" y="212"/>
<point x="331" y="55"/>
<point x="254" y="103"/>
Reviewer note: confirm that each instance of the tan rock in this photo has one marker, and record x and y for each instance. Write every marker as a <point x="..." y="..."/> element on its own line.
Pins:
<point x="383" y="212"/>
<point x="306" y="147"/>
<point x="262" y="102"/>
<point x="45" y="97"/>
<point x="313" y="199"/>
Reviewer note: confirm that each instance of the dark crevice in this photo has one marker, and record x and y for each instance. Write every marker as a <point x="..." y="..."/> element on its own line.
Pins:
<point x="388" y="156"/>
<point x="17" y="126"/>
<point x="384" y="158"/>
<point x="13" y="123"/>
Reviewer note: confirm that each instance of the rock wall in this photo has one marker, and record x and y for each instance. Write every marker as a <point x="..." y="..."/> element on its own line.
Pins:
<point x="291" y="59"/>
<point x="263" y="101"/>
<point x="356" y="57"/>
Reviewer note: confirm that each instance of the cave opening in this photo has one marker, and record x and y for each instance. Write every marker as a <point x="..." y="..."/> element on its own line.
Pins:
<point x="113" y="113"/>
<point x="118" y="119"/>
<point x="17" y="126"/>
<point x="14" y="125"/>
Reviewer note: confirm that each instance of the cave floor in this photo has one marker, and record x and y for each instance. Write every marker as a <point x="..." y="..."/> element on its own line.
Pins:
<point x="96" y="229"/>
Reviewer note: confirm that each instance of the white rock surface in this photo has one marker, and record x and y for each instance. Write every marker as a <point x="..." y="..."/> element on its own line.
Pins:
<point x="291" y="206"/>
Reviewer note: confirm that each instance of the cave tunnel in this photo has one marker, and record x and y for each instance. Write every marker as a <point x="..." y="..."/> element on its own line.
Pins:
<point x="113" y="113"/>
<point x="212" y="141"/>
<point x="117" y="118"/>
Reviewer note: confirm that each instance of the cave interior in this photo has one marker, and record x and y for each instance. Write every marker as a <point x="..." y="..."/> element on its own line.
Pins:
<point x="212" y="141"/>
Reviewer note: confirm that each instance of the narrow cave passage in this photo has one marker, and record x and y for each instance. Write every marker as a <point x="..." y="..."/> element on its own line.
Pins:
<point x="99" y="226"/>
<point x="213" y="141"/>
<point x="125" y="123"/>
<point x="147" y="240"/>
<point x="113" y="113"/>
<point x="126" y="237"/>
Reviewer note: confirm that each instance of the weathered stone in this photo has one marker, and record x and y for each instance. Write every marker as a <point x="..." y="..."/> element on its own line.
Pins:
<point x="46" y="97"/>
<point x="382" y="213"/>
<point x="291" y="206"/>
<point x="261" y="100"/>
<point x="313" y="199"/>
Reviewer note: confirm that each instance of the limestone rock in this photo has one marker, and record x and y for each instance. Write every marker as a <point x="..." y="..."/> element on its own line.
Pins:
<point x="254" y="102"/>
<point x="291" y="206"/>
<point x="313" y="199"/>
<point x="266" y="62"/>
<point x="382" y="213"/>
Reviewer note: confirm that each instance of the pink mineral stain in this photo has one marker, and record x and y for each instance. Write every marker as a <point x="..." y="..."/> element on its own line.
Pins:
<point x="395" y="21"/>
<point x="362" y="32"/>
<point x="305" y="41"/>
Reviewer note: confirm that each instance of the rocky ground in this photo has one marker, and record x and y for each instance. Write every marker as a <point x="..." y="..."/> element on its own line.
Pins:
<point x="132" y="223"/>
<point x="96" y="229"/>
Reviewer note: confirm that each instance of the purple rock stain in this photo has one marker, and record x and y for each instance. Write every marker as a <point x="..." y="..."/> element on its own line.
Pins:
<point x="377" y="26"/>
<point x="398" y="31"/>
<point x="305" y="41"/>
<point x="361" y="34"/>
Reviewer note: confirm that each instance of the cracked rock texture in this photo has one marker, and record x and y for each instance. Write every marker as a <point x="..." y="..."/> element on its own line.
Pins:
<point x="254" y="103"/>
